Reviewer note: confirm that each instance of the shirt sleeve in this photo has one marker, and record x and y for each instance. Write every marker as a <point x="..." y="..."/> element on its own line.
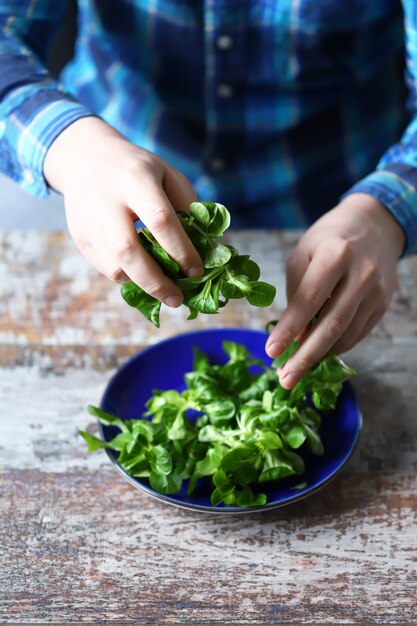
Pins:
<point x="394" y="182"/>
<point x="34" y="108"/>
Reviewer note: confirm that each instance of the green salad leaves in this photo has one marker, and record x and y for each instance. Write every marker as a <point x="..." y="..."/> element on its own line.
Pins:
<point x="227" y="274"/>
<point x="233" y="427"/>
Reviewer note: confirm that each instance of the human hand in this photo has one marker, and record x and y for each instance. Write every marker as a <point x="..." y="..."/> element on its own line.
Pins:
<point x="107" y="184"/>
<point x="344" y="267"/>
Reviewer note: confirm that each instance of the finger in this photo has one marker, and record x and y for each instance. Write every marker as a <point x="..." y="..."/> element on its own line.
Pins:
<point x="371" y="323"/>
<point x="120" y="238"/>
<point x="156" y="211"/>
<point x="335" y="318"/>
<point x="88" y="252"/>
<point x="178" y="189"/>
<point x="318" y="282"/>
<point x="370" y="311"/>
<point x="101" y="257"/>
<point x="355" y="330"/>
<point x="295" y="269"/>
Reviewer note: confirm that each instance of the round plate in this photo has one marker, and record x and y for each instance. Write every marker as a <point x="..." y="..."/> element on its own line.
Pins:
<point x="163" y="366"/>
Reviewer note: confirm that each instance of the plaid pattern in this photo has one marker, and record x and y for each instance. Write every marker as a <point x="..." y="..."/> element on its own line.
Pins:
<point x="276" y="109"/>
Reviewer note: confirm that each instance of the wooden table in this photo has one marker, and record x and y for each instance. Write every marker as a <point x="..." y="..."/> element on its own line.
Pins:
<point x="78" y="544"/>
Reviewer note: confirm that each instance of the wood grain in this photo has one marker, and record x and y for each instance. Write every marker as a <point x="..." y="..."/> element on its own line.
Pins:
<point x="51" y="296"/>
<point x="87" y="547"/>
<point x="78" y="544"/>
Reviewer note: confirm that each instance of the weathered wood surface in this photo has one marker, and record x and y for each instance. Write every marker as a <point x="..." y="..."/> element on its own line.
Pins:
<point x="87" y="547"/>
<point x="77" y="544"/>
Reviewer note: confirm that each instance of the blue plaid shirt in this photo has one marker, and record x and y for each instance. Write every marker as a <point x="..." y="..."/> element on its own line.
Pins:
<point x="275" y="109"/>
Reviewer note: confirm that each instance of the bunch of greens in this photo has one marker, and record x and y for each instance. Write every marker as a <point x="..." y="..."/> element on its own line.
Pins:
<point x="249" y="429"/>
<point x="227" y="274"/>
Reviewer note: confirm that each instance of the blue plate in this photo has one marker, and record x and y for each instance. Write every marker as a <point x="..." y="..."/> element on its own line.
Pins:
<point x="163" y="366"/>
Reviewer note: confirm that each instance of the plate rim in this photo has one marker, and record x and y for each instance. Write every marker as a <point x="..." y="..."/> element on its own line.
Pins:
<point x="230" y="510"/>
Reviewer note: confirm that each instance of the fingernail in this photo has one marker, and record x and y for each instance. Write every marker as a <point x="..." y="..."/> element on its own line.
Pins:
<point x="288" y="380"/>
<point x="275" y="348"/>
<point x="195" y="271"/>
<point x="174" y="301"/>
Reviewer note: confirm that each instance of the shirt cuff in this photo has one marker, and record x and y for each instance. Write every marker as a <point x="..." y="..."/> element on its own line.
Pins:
<point x="395" y="187"/>
<point x="27" y="132"/>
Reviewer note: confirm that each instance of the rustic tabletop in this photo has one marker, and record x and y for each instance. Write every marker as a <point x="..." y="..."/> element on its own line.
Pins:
<point x="78" y="544"/>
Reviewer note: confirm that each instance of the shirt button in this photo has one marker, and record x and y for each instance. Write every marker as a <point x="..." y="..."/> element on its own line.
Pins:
<point x="225" y="42"/>
<point x="225" y="91"/>
<point x="217" y="164"/>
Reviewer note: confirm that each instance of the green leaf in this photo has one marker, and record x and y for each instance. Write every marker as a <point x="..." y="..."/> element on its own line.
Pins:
<point x="283" y="358"/>
<point x="168" y="265"/>
<point x="210" y="433"/>
<point x="165" y="483"/>
<point x="230" y="290"/>
<point x="221" y="411"/>
<point x="294" y="459"/>
<point x="245" y="497"/>
<point x="142" y="301"/>
<point x="277" y="418"/>
<point x="216" y="497"/>
<point x="236" y="351"/>
<point x="314" y="441"/>
<point x="324" y="399"/>
<point x="204" y="301"/>
<point x="179" y="428"/>
<point x="259" y="500"/>
<point x="205" y="467"/>
<point x="145" y="429"/>
<point x="275" y="466"/>
<point x="222" y="482"/>
<point x="106" y="418"/>
<point x="267" y="401"/>
<point x="200" y="212"/>
<point x="200" y="361"/>
<point x="230" y="498"/>
<point x="137" y="466"/>
<point x="217" y="254"/>
<point x="220" y="221"/>
<point x="93" y="443"/>
<point x="300" y="486"/>
<point x="191" y="282"/>
<point x="258" y="387"/>
<point x="295" y="436"/>
<point x="193" y="314"/>
<point x="332" y="370"/>
<point x="240" y="463"/>
<point x="121" y="440"/>
<point x="203" y="223"/>
<point x="161" y="460"/>
<point x="205" y="386"/>
<point x="243" y="264"/>
<point x="234" y="376"/>
<point x="260" y="294"/>
<point x="269" y="440"/>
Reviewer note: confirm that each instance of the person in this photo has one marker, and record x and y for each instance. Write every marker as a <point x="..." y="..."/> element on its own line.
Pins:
<point x="294" y="113"/>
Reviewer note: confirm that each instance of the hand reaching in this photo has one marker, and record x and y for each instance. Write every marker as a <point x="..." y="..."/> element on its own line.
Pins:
<point x="108" y="183"/>
<point x="344" y="269"/>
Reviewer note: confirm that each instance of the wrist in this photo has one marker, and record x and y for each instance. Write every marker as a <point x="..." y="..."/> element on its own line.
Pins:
<point x="378" y="217"/>
<point x="68" y="152"/>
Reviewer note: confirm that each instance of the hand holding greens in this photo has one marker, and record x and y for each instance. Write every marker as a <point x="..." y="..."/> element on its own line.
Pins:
<point x="249" y="429"/>
<point x="227" y="274"/>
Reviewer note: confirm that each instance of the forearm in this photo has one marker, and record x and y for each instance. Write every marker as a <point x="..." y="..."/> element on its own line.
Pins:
<point x="76" y="146"/>
<point x="34" y="110"/>
<point x="394" y="182"/>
